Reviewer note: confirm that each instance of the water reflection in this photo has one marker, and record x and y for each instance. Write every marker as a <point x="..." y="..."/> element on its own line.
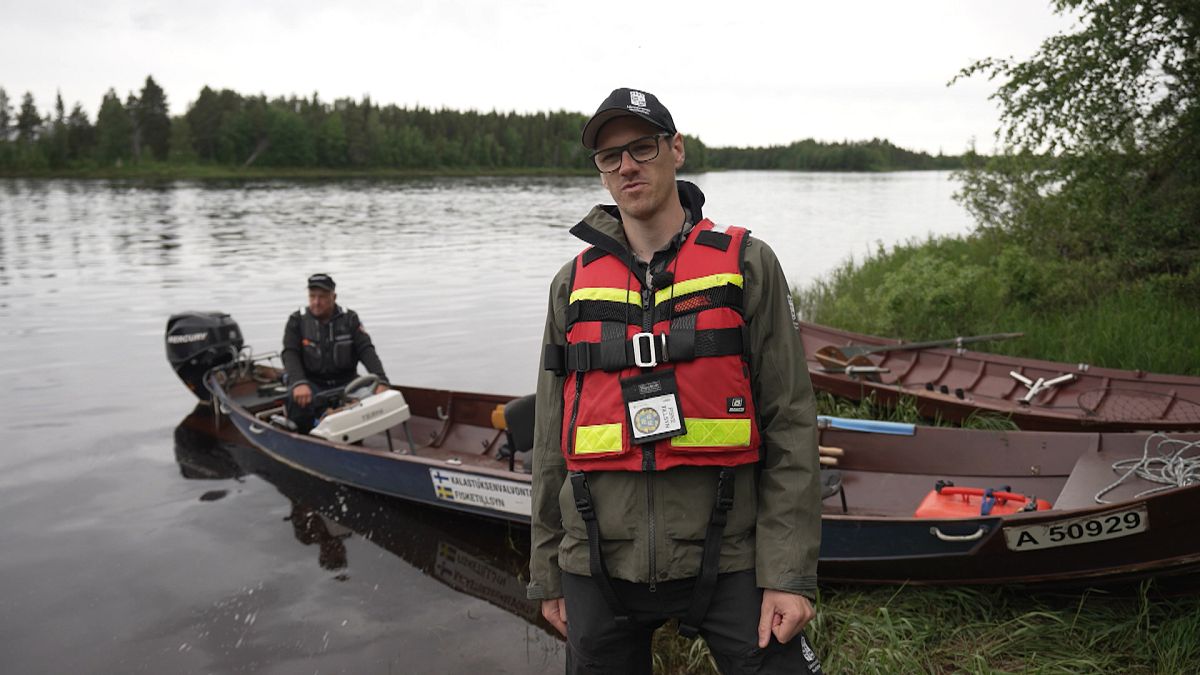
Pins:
<point x="480" y="558"/>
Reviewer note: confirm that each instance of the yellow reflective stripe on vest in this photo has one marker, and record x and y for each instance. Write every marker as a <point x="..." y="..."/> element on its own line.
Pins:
<point x="597" y="439"/>
<point x="694" y="285"/>
<point x="609" y="294"/>
<point x="718" y="433"/>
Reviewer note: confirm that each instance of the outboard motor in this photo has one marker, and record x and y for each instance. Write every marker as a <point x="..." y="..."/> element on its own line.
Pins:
<point x="198" y="341"/>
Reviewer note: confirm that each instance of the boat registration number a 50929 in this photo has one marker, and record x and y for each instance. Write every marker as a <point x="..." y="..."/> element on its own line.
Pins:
<point x="1071" y="531"/>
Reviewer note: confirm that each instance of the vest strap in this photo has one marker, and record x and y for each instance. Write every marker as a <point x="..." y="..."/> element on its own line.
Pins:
<point x="710" y="561"/>
<point x="726" y="296"/>
<point x="593" y="254"/>
<point x="693" y="344"/>
<point x="554" y="357"/>
<point x="612" y="345"/>
<point x="683" y="338"/>
<point x="717" y="240"/>
<point x="587" y="511"/>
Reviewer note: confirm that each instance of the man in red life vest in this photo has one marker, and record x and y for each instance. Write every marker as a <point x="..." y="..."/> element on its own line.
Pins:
<point x="675" y="470"/>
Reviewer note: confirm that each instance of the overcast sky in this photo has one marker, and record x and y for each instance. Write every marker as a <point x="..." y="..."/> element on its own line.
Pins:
<point x="735" y="72"/>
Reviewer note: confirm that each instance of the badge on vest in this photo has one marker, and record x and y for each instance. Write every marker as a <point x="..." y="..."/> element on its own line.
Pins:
<point x="652" y="403"/>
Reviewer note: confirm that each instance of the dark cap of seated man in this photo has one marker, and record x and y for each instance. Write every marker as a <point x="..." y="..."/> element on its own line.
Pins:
<point x="625" y="101"/>
<point x="322" y="281"/>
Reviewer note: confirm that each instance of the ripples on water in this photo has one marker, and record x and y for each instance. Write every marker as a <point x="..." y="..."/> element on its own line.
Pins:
<point x="108" y="549"/>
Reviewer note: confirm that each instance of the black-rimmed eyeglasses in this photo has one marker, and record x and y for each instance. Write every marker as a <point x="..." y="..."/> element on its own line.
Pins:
<point x="642" y="150"/>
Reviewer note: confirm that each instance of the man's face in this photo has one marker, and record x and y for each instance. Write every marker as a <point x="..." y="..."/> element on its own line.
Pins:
<point x="320" y="303"/>
<point x="640" y="190"/>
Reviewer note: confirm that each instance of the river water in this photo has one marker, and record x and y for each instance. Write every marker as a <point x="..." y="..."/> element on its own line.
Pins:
<point x="133" y="541"/>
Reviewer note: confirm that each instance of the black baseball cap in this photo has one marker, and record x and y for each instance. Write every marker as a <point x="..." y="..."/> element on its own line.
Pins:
<point x="626" y="101"/>
<point x="323" y="281"/>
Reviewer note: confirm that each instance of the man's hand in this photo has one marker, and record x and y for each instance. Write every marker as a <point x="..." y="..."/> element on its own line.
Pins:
<point x="555" y="611"/>
<point x="380" y="388"/>
<point x="783" y="614"/>
<point x="302" y="395"/>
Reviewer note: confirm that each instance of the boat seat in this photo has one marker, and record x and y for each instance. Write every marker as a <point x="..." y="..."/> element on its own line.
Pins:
<point x="1092" y="473"/>
<point x="831" y="484"/>
<point x="518" y="431"/>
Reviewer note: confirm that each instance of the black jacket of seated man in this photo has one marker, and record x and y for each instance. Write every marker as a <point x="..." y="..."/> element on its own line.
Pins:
<point x="322" y="347"/>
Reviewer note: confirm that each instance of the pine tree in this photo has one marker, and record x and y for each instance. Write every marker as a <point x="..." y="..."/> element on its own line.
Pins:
<point x="5" y="115"/>
<point x="56" y="146"/>
<point x="81" y="135"/>
<point x="29" y="120"/>
<point x="153" y="120"/>
<point x="114" y="131"/>
<point x="131" y="111"/>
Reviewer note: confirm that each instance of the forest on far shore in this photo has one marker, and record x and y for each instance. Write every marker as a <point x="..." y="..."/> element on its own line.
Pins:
<point x="224" y="128"/>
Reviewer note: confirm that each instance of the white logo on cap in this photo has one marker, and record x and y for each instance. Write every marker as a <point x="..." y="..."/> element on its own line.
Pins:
<point x="637" y="98"/>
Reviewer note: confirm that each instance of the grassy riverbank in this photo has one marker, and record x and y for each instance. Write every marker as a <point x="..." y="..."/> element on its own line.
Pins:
<point x="969" y="630"/>
<point x="1075" y="311"/>
<point x="1131" y="629"/>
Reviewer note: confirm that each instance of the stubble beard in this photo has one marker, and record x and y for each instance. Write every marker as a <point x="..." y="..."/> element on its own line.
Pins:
<point x="642" y="206"/>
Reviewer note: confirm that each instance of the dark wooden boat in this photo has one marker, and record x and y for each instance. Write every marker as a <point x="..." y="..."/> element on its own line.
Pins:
<point x="870" y="533"/>
<point x="1078" y="540"/>
<point x="952" y="383"/>
<point x="454" y="461"/>
<point x="485" y="559"/>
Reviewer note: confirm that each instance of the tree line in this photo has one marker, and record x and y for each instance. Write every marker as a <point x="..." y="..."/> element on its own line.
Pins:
<point x="810" y="155"/>
<point x="226" y="128"/>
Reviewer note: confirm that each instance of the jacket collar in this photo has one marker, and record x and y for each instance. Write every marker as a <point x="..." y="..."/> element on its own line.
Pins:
<point x="337" y="311"/>
<point x="602" y="227"/>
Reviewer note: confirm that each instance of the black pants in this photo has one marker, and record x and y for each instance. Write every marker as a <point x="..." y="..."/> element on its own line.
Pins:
<point x="305" y="417"/>
<point x="596" y="644"/>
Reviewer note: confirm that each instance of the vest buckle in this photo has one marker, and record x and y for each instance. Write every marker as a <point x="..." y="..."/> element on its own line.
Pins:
<point x="644" y="353"/>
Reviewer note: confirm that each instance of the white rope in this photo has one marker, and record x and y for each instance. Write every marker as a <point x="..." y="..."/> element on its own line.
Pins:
<point x="1169" y="467"/>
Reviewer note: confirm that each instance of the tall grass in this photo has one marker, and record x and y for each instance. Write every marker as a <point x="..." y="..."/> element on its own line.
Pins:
<point x="904" y="410"/>
<point x="986" y="630"/>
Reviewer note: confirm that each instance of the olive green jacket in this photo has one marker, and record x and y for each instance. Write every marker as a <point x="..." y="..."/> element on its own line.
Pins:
<point x="652" y="524"/>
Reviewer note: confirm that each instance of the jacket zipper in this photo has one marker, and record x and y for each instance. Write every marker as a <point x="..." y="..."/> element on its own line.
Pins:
<point x="648" y="450"/>
<point x="574" y="413"/>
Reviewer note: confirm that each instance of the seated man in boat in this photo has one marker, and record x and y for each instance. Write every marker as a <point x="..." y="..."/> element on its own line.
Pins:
<point x="675" y="464"/>
<point x="322" y="348"/>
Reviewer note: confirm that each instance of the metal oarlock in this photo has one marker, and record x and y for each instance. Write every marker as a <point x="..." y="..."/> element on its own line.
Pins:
<point x="1042" y="384"/>
<point x="856" y="370"/>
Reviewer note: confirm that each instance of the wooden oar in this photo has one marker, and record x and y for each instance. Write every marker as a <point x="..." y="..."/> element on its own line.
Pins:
<point x="854" y="350"/>
<point x="834" y="360"/>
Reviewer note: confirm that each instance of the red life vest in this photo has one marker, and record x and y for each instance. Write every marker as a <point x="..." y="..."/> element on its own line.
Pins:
<point x="616" y="329"/>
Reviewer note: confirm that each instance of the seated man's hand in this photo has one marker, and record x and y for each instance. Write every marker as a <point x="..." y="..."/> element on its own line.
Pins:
<point x="380" y="388"/>
<point x="302" y="395"/>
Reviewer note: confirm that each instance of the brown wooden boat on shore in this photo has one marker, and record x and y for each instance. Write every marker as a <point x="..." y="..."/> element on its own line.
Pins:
<point x="953" y="382"/>
<point x="910" y="515"/>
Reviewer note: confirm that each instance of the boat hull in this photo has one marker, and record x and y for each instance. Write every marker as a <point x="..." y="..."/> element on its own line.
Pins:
<point x="953" y="384"/>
